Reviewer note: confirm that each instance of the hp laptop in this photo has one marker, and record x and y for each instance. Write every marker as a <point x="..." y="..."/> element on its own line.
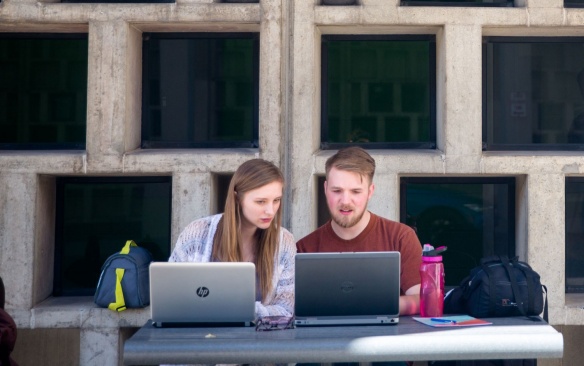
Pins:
<point x="347" y="288"/>
<point x="202" y="294"/>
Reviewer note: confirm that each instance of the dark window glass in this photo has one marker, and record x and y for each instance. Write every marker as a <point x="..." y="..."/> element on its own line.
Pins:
<point x="574" y="235"/>
<point x="200" y="90"/>
<point x="95" y="217"/>
<point x="118" y="1"/>
<point x="378" y="91"/>
<point x="323" y="213"/>
<point x="43" y="91"/>
<point x="473" y="217"/>
<point x="573" y="3"/>
<point x="457" y="2"/>
<point x="533" y="93"/>
<point x="222" y="187"/>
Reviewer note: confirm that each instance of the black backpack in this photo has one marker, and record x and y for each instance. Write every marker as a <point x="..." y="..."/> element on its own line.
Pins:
<point x="499" y="287"/>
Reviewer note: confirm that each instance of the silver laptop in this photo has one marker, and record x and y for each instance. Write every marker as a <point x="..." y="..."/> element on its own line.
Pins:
<point x="202" y="294"/>
<point x="347" y="288"/>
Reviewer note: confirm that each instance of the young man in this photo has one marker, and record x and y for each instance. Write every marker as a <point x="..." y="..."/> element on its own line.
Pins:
<point x="352" y="228"/>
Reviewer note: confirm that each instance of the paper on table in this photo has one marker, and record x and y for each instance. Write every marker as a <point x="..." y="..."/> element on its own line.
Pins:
<point x="452" y="321"/>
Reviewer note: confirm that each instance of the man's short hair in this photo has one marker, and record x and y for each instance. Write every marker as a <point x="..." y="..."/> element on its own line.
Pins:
<point x="352" y="159"/>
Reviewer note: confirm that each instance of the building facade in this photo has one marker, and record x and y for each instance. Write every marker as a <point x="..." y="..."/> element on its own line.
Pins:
<point x="279" y="85"/>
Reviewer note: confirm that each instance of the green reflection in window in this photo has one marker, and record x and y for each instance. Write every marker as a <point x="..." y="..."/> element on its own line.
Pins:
<point x="95" y="217"/>
<point x="377" y="91"/>
<point x="459" y="2"/>
<point x="574" y="235"/>
<point x="534" y="93"/>
<point x="43" y="91"/>
<point x="200" y="90"/>
<point x="473" y="217"/>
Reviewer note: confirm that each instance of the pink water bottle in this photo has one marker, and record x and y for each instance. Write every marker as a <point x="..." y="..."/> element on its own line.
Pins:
<point x="432" y="287"/>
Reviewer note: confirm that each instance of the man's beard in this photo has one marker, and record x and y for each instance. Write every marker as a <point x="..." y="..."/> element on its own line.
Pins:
<point x="346" y="222"/>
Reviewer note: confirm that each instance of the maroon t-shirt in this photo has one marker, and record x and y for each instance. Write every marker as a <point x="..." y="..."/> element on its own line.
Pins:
<point x="380" y="235"/>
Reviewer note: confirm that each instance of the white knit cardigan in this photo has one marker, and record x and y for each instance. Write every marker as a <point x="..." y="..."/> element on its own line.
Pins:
<point x="195" y="244"/>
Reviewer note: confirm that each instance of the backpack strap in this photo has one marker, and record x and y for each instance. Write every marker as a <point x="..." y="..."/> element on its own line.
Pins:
<point x="492" y="285"/>
<point x="120" y="303"/>
<point x="126" y="248"/>
<point x="514" y="287"/>
<point x="532" y="289"/>
<point x="530" y="284"/>
<point x="486" y="263"/>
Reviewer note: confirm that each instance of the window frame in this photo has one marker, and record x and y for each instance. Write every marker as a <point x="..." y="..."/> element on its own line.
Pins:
<point x="519" y="147"/>
<point x="119" y="1"/>
<point x="569" y="180"/>
<point x="324" y="125"/>
<point x="568" y="4"/>
<point x="254" y="143"/>
<point x="49" y="146"/>
<point x="60" y="183"/>
<point x="496" y="4"/>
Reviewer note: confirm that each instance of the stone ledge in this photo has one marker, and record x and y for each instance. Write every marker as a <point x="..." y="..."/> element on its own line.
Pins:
<point x="77" y="312"/>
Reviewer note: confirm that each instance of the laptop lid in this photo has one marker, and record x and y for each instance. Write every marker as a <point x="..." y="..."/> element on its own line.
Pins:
<point x="202" y="294"/>
<point x="347" y="288"/>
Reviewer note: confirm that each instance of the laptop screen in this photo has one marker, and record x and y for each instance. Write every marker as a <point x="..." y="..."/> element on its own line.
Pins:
<point x="202" y="293"/>
<point x="347" y="288"/>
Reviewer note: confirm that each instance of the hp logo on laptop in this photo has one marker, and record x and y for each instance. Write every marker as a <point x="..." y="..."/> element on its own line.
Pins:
<point x="347" y="286"/>
<point x="202" y="292"/>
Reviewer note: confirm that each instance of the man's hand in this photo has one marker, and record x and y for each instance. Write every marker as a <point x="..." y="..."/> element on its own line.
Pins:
<point x="409" y="304"/>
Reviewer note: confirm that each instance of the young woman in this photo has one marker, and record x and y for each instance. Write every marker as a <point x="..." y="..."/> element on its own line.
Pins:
<point x="249" y="230"/>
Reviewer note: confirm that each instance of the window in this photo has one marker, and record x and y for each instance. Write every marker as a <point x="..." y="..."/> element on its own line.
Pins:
<point x="473" y="217"/>
<point x="222" y="182"/>
<point x="43" y="90"/>
<point x="457" y="2"/>
<point x="323" y="214"/>
<point x="95" y="217"/>
<point x="378" y="92"/>
<point x="574" y="235"/>
<point x="118" y="1"/>
<point x="573" y="3"/>
<point x="533" y="93"/>
<point x="200" y="90"/>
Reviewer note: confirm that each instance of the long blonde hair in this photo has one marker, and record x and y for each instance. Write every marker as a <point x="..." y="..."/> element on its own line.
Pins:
<point x="250" y="175"/>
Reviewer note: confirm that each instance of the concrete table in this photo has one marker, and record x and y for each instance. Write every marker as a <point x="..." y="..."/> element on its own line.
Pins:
<point x="507" y="338"/>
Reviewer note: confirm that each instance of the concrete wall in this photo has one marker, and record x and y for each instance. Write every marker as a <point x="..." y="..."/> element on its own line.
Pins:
<point x="289" y="128"/>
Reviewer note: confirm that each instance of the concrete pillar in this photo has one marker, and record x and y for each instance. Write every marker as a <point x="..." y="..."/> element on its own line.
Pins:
<point x="543" y="3"/>
<point x="546" y="233"/>
<point x="113" y="94"/>
<point x="304" y="117"/>
<point x="459" y="92"/>
<point x="191" y="199"/>
<point x="99" y="346"/>
<point x="17" y="241"/>
<point x="270" y="79"/>
<point x="385" y="201"/>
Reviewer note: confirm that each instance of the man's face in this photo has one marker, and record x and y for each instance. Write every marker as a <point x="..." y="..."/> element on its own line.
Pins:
<point x="347" y="195"/>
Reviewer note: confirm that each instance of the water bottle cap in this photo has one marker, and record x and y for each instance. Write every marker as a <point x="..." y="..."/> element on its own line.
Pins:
<point x="429" y="251"/>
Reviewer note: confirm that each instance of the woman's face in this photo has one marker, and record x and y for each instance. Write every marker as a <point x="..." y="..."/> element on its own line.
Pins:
<point x="259" y="206"/>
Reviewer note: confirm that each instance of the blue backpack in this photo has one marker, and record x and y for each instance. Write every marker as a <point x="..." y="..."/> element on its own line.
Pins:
<point x="124" y="281"/>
